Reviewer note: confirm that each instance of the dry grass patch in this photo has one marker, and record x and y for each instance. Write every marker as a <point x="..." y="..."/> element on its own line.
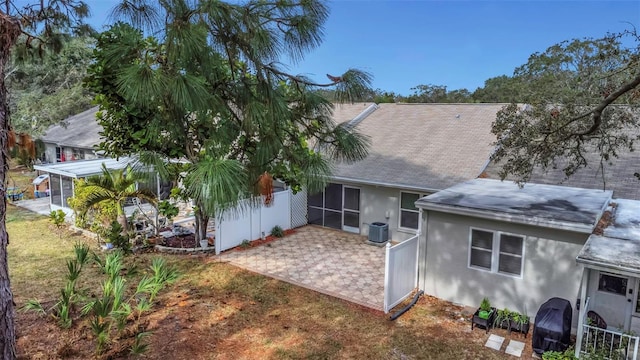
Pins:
<point x="218" y="311"/>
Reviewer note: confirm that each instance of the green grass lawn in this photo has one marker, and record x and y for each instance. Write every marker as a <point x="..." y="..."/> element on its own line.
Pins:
<point x="218" y="311"/>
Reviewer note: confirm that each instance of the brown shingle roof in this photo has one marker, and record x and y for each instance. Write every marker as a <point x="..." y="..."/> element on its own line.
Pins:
<point x="424" y="146"/>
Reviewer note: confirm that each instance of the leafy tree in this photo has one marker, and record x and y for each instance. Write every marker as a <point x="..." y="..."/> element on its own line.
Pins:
<point x="438" y="94"/>
<point x="25" y="27"/>
<point x="207" y="88"/>
<point x="47" y="90"/>
<point x="582" y="97"/>
<point x="114" y="187"/>
<point x="501" y="89"/>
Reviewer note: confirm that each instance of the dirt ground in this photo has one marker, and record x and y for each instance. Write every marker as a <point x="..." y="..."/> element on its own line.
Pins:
<point x="253" y="317"/>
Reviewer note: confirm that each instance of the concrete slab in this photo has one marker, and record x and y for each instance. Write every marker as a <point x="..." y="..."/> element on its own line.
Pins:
<point x="494" y="342"/>
<point x="515" y="348"/>
<point x="40" y="205"/>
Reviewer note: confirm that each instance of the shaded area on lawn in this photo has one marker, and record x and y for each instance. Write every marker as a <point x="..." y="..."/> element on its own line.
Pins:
<point x="220" y="311"/>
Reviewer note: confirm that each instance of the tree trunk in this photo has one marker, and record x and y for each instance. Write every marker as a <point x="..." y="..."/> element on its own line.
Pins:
<point x="9" y="32"/>
<point x="202" y="221"/>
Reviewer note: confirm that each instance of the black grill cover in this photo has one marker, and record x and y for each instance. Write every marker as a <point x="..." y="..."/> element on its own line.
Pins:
<point x="552" y="328"/>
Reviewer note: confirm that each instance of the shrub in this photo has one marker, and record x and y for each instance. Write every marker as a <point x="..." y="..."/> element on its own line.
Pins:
<point x="277" y="232"/>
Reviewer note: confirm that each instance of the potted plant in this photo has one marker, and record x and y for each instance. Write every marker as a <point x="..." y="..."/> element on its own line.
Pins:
<point x="485" y="309"/>
<point x="520" y="322"/>
<point x="484" y="315"/>
<point x="503" y="318"/>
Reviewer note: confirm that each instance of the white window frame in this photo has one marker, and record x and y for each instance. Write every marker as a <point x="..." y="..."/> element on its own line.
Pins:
<point x="495" y="252"/>
<point x="401" y="209"/>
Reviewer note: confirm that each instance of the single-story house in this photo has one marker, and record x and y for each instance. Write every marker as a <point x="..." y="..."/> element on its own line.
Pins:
<point x="74" y="139"/>
<point x="520" y="246"/>
<point x="416" y="150"/>
<point x="61" y="176"/>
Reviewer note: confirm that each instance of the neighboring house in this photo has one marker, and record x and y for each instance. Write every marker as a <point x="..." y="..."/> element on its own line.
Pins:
<point x="61" y="176"/>
<point x="416" y="150"/>
<point x="521" y="246"/>
<point x="74" y="139"/>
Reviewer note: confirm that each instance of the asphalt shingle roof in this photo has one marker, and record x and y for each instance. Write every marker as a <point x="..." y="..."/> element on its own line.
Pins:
<point x="617" y="176"/>
<point x="422" y="146"/>
<point x="79" y="131"/>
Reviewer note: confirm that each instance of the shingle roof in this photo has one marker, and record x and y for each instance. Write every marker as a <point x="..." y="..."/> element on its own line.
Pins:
<point x="79" y="131"/>
<point x="423" y="146"/>
<point x="618" y="176"/>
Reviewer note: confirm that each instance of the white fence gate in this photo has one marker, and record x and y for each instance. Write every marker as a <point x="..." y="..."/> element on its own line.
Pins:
<point x="251" y="223"/>
<point x="401" y="272"/>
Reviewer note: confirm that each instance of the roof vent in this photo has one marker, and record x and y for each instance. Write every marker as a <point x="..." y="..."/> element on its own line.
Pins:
<point x="366" y="112"/>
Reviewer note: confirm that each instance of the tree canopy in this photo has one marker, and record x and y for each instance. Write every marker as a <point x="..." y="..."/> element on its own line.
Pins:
<point x="207" y="87"/>
<point x="580" y="97"/>
<point x="46" y="90"/>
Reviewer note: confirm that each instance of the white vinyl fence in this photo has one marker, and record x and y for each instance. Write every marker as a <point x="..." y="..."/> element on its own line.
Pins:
<point x="401" y="272"/>
<point x="252" y="223"/>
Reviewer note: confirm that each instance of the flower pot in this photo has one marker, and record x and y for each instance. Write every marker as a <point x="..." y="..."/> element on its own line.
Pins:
<point x="520" y="327"/>
<point x="476" y="320"/>
<point x="204" y="243"/>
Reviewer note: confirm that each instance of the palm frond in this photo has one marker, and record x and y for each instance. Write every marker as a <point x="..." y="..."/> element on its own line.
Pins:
<point x="217" y="184"/>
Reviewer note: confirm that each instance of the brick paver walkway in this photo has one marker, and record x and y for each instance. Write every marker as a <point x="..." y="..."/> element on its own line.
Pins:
<point x="332" y="262"/>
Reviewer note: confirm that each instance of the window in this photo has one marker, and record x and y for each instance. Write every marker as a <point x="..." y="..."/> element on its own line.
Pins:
<point x="496" y="252"/>
<point x="409" y="214"/>
<point x="612" y="284"/>
<point x="56" y="191"/>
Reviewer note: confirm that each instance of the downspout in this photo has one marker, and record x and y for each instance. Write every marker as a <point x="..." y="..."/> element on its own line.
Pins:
<point x="583" y="309"/>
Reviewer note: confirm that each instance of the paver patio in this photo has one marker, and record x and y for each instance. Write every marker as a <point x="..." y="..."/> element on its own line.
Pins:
<point x="329" y="261"/>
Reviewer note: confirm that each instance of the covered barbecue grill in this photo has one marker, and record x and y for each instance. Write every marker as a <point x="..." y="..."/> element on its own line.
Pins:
<point x="552" y="328"/>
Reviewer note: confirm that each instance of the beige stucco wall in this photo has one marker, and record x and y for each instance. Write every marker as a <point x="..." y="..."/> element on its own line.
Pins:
<point x="550" y="269"/>
<point x="378" y="202"/>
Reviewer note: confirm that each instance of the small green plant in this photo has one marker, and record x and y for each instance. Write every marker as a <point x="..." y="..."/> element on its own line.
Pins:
<point x="560" y="355"/>
<point x="503" y="318"/>
<point x="277" y="232"/>
<point x="485" y="309"/>
<point x="115" y="237"/>
<point x="57" y="218"/>
<point x="245" y="244"/>
<point x="139" y="347"/>
<point x="168" y="210"/>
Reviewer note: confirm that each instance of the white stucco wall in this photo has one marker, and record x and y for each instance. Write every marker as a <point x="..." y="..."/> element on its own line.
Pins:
<point x="50" y="153"/>
<point x="378" y="202"/>
<point x="550" y="269"/>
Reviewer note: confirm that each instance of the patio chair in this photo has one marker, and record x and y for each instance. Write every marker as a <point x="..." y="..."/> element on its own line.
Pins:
<point x="596" y="320"/>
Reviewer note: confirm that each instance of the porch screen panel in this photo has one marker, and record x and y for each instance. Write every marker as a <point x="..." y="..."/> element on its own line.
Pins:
<point x="510" y="260"/>
<point x="333" y="197"/>
<point x="56" y="192"/>
<point x="481" y="249"/>
<point x="315" y="199"/>
<point x="67" y="190"/>
<point x="315" y="216"/>
<point x="333" y="219"/>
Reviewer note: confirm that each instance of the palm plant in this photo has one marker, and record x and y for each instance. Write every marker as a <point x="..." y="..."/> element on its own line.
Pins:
<point x="207" y="88"/>
<point x="115" y="186"/>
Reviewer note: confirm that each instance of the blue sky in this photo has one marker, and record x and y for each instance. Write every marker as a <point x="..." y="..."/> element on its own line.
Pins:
<point x="459" y="44"/>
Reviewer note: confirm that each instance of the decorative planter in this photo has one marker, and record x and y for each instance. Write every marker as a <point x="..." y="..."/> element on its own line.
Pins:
<point x="477" y="320"/>
<point x="518" y="327"/>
